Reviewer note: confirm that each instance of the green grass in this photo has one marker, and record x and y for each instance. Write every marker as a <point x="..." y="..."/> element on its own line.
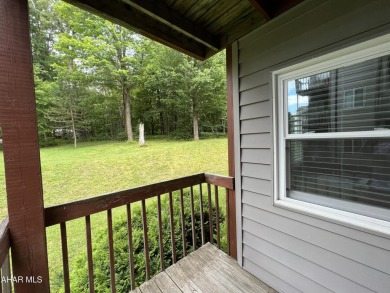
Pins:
<point x="95" y="168"/>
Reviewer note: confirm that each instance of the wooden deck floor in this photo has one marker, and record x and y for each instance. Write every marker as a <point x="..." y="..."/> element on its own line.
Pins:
<point x="208" y="269"/>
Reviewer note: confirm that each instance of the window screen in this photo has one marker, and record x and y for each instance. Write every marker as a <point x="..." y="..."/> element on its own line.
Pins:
<point x="354" y="100"/>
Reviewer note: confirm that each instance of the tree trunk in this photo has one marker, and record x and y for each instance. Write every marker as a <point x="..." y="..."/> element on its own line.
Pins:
<point x="161" y="114"/>
<point x="166" y="122"/>
<point x="162" y="128"/>
<point x="195" y="120"/>
<point x="126" y="102"/>
<point x="72" y="118"/>
<point x="73" y="128"/>
<point x="152" y="125"/>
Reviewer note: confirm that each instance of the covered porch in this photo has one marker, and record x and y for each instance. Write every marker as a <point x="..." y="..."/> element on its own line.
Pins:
<point x="197" y="30"/>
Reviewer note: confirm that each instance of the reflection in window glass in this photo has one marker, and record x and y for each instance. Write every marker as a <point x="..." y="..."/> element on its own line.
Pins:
<point x="359" y="98"/>
<point x="350" y="98"/>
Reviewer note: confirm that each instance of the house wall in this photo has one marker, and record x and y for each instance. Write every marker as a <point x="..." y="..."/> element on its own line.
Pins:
<point x="294" y="252"/>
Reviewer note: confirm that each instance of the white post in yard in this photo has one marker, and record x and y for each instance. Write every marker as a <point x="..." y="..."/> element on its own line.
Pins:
<point x="141" y="134"/>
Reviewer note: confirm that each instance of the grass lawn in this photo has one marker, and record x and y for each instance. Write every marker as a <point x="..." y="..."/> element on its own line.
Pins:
<point x="100" y="167"/>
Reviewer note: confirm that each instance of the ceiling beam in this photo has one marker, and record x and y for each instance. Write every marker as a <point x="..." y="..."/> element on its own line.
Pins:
<point x="158" y="10"/>
<point x="253" y="20"/>
<point x="261" y="8"/>
<point x="284" y="5"/>
<point x="272" y="8"/>
<point x="129" y="17"/>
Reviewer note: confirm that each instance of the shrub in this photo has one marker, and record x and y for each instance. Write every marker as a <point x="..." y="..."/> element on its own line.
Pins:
<point x="50" y="142"/>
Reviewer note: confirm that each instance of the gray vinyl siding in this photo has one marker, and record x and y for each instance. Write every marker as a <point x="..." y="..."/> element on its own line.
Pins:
<point x="290" y="251"/>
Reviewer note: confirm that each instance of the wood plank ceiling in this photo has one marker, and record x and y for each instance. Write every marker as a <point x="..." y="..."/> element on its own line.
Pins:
<point x="199" y="28"/>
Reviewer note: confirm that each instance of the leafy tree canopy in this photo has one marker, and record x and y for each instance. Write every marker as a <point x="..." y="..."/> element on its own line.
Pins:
<point x="96" y="80"/>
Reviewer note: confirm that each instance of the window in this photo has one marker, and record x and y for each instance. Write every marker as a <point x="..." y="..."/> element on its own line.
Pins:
<point x="332" y="116"/>
<point x="354" y="98"/>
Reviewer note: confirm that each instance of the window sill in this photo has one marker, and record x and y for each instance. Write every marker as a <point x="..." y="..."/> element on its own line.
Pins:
<point x="347" y="219"/>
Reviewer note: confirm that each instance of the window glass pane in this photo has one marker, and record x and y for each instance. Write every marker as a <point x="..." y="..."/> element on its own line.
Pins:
<point x="352" y="170"/>
<point x="359" y="98"/>
<point x="350" y="98"/>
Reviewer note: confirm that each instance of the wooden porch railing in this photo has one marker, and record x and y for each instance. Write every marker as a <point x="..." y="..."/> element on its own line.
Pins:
<point x="5" y="272"/>
<point x="205" y="184"/>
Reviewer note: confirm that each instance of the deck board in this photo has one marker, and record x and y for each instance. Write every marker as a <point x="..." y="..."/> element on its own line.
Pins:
<point x="149" y="287"/>
<point x="205" y="282"/>
<point x="165" y="283"/>
<point x="208" y="269"/>
<point x="184" y="283"/>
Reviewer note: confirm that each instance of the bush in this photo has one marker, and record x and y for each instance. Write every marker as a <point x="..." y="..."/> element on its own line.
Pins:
<point x="79" y="276"/>
<point x="121" y="136"/>
<point x="50" y="142"/>
<point x="180" y="135"/>
<point x="208" y="135"/>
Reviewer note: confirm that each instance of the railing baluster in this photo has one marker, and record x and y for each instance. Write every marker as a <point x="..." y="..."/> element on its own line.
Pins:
<point x="172" y="224"/>
<point x="227" y="221"/>
<point x="131" y="249"/>
<point x="146" y="241"/>
<point x="193" y="219"/>
<point x="140" y="195"/>
<point x="160" y="235"/>
<point x="210" y="214"/>
<point x="111" y="250"/>
<point x="1" y="278"/>
<point x="201" y="212"/>
<point x="6" y="287"/>
<point x="183" y="226"/>
<point x="217" y="217"/>
<point x="65" y="262"/>
<point x="89" y="253"/>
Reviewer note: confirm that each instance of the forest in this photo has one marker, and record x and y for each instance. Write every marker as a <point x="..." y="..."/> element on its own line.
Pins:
<point x="95" y="80"/>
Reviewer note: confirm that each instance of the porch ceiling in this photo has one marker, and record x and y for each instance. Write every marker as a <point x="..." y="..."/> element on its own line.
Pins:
<point x="198" y="28"/>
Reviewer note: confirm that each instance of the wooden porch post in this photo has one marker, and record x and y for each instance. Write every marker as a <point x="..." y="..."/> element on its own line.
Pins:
<point x="230" y="126"/>
<point x="21" y="150"/>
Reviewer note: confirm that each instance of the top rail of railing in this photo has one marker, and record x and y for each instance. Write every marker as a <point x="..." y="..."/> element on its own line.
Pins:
<point x="84" y="207"/>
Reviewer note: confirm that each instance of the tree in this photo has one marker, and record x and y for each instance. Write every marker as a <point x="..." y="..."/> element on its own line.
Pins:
<point x="178" y="91"/>
<point x="116" y="55"/>
<point x="157" y="99"/>
<point x="205" y="86"/>
<point x="71" y="83"/>
<point x="42" y="30"/>
<point x="95" y="77"/>
<point x="67" y="112"/>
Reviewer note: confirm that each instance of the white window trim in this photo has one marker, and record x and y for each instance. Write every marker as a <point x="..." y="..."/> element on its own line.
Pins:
<point x="355" y="54"/>
<point x="354" y="99"/>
